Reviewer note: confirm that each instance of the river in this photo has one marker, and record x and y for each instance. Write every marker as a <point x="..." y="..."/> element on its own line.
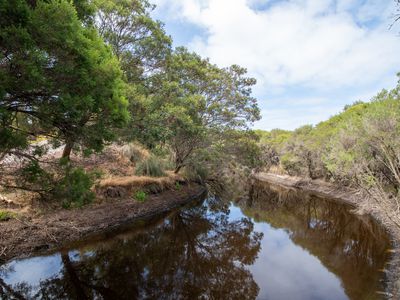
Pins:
<point x="275" y="244"/>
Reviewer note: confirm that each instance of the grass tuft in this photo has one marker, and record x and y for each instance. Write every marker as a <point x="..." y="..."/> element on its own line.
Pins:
<point x="6" y="215"/>
<point x="135" y="152"/>
<point x="152" y="166"/>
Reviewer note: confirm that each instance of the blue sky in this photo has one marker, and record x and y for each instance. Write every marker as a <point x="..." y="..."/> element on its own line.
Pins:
<point x="310" y="57"/>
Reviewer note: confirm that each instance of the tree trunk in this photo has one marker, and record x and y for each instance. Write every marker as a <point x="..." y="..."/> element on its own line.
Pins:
<point x="73" y="277"/>
<point x="177" y="169"/>
<point x="68" y="149"/>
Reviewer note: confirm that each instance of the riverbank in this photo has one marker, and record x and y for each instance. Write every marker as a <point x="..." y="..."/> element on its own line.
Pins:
<point x="355" y="199"/>
<point x="27" y="236"/>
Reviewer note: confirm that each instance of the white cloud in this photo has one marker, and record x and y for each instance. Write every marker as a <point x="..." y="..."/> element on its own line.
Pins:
<point x="317" y="45"/>
<point x="294" y="42"/>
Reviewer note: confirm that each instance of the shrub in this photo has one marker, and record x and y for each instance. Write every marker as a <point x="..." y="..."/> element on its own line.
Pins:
<point x="6" y="215"/>
<point x="140" y="196"/>
<point x="196" y="172"/>
<point x="152" y="166"/>
<point x="178" y="186"/>
<point x="33" y="177"/>
<point x="291" y="164"/>
<point x="75" y="187"/>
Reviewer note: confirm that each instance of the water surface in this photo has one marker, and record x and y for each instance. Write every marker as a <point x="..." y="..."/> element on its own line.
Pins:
<point x="277" y="244"/>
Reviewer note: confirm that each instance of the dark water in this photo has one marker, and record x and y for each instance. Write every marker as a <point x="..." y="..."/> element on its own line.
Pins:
<point x="278" y="244"/>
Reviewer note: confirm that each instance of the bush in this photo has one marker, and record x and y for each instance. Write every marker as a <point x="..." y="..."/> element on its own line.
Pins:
<point x="6" y="215"/>
<point x="178" y="186"/>
<point x="140" y="196"/>
<point x="33" y="177"/>
<point x="196" y="172"/>
<point x="291" y="164"/>
<point x="75" y="187"/>
<point x="152" y="166"/>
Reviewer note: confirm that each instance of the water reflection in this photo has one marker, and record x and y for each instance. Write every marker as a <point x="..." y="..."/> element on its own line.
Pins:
<point x="277" y="244"/>
<point x="196" y="253"/>
<point x="351" y="247"/>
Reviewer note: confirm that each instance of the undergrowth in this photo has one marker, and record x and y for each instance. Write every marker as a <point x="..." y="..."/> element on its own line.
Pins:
<point x="152" y="166"/>
<point x="140" y="196"/>
<point x="6" y="215"/>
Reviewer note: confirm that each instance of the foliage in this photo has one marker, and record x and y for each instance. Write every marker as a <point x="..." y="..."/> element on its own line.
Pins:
<point x="140" y="196"/>
<point x="358" y="147"/>
<point x="178" y="186"/>
<point x="138" y="41"/>
<point x="33" y="177"/>
<point x="74" y="189"/>
<point x="195" y="171"/>
<point x="58" y="75"/>
<point x="152" y="166"/>
<point x="275" y="137"/>
<point x="291" y="164"/>
<point x="304" y="151"/>
<point x="370" y="143"/>
<point x="6" y="215"/>
<point x="194" y="101"/>
<point x="79" y="73"/>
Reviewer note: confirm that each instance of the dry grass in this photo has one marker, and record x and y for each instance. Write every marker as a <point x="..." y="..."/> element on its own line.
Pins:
<point x="119" y="187"/>
<point x="111" y="162"/>
<point x="116" y="165"/>
<point x="134" y="152"/>
<point x="277" y="169"/>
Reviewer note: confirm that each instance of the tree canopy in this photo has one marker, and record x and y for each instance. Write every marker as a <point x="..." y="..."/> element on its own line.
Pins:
<point x="85" y="73"/>
<point x="58" y="75"/>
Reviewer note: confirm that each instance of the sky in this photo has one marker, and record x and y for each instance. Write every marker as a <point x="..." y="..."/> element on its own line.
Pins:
<point x="310" y="57"/>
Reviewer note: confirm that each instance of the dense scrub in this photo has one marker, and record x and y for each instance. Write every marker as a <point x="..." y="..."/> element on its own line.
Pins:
<point x="359" y="147"/>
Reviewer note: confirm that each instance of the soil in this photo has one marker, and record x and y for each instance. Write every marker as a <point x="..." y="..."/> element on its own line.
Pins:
<point x="355" y="199"/>
<point x="41" y="233"/>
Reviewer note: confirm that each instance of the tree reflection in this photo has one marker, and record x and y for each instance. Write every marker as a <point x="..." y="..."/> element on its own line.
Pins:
<point x="349" y="245"/>
<point x="196" y="253"/>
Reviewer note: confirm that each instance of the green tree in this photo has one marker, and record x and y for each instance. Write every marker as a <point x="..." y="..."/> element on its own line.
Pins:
<point x="195" y="103"/>
<point x="59" y="75"/>
<point x="142" y="47"/>
<point x="137" y="40"/>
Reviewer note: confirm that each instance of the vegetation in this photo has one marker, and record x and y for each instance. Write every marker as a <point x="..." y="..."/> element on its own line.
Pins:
<point x="6" y="215"/>
<point x="152" y="166"/>
<point x="82" y="74"/>
<point x="140" y="196"/>
<point x="97" y="84"/>
<point x="135" y="152"/>
<point x="58" y="78"/>
<point x="359" y="147"/>
<point x="74" y="187"/>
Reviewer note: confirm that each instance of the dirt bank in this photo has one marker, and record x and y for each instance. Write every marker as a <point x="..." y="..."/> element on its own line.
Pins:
<point x="19" y="238"/>
<point x="355" y="199"/>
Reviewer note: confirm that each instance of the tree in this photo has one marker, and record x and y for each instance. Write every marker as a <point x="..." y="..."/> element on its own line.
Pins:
<point x="194" y="103"/>
<point x="142" y="47"/>
<point x="58" y="75"/>
<point x="138" y="41"/>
